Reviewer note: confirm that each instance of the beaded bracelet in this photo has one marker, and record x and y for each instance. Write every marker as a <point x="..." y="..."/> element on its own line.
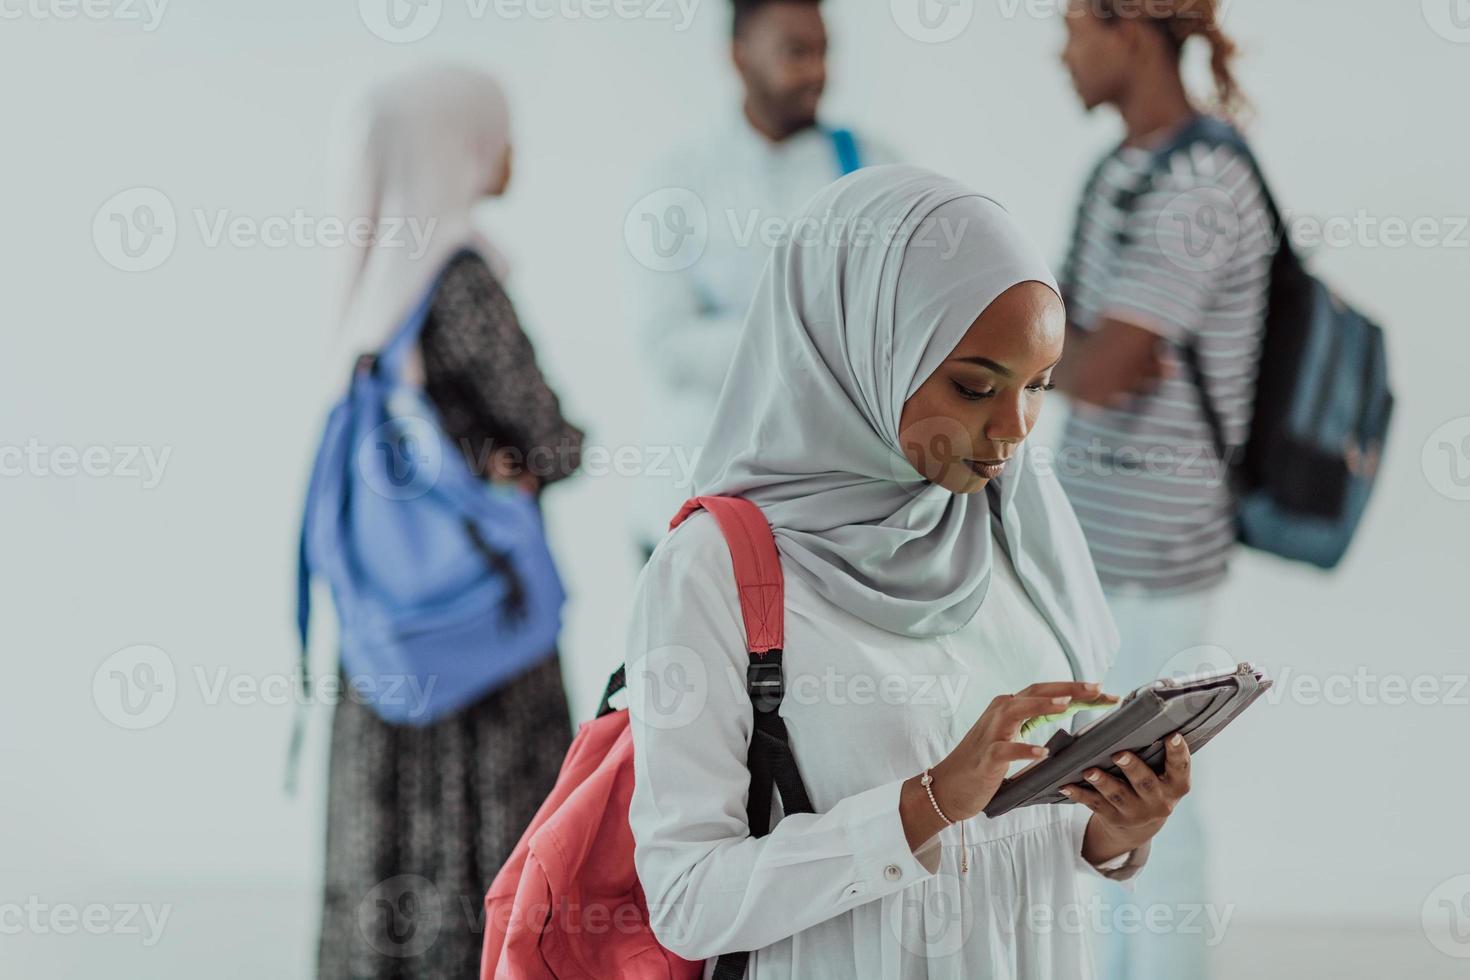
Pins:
<point x="927" y="781"/>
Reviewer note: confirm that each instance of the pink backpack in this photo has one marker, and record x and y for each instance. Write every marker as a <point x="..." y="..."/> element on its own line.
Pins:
<point x="567" y="905"/>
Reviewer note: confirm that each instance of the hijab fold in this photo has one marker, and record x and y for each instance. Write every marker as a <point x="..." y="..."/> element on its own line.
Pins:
<point x="876" y="284"/>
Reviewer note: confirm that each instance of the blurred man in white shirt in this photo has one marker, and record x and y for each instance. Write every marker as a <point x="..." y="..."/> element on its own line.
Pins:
<point x="709" y="215"/>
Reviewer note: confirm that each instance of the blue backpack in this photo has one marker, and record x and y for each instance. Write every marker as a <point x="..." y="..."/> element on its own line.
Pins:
<point x="1322" y="407"/>
<point x="443" y="583"/>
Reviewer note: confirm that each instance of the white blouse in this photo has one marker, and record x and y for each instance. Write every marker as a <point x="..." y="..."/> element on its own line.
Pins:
<point x="838" y="893"/>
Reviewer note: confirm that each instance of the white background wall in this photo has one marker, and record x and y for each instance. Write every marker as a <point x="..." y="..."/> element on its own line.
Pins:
<point x="1334" y="820"/>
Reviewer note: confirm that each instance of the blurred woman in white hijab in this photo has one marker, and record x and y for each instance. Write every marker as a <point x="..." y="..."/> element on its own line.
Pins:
<point x="419" y="820"/>
<point x="938" y="594"/>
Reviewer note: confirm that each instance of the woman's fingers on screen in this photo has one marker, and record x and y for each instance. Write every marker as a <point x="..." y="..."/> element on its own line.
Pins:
<point x="1008" y="706"/>
<point x="1009" y="712"/>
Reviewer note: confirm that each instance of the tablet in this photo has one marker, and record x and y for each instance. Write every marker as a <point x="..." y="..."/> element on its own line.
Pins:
<point x="1198" y="707"/>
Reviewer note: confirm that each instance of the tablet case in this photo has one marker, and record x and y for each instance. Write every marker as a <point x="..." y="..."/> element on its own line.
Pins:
<point x="1198" y="707"/>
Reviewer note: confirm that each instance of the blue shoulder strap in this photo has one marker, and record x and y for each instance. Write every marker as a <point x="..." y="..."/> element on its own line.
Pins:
<point x="848" y="157"/>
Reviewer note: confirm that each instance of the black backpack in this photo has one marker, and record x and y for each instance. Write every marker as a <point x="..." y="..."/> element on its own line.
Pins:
<point x="1322" y="405"/>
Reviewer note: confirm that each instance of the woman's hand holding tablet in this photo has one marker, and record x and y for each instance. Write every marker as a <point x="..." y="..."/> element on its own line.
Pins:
<point x="1128" y="813"/>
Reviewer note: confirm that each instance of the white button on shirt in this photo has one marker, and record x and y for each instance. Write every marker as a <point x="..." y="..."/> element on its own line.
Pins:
<point x="838" y="893"/>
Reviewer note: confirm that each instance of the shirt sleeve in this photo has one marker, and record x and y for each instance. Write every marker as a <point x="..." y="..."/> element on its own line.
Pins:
<point x="1122" y="869"/>
<point x="477" y="356"/>
<point x="1181" y="242"/>
<point x="711" y="887"/>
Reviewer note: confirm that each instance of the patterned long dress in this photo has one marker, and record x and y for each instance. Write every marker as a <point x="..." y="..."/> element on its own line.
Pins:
<point x="419" y="820"/>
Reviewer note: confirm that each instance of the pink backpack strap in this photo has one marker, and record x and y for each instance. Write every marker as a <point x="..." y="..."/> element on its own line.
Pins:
<point x="757" y="567"/>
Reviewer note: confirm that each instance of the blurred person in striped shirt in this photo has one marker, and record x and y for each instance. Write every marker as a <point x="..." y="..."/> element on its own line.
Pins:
<point x="1167" y="255"/>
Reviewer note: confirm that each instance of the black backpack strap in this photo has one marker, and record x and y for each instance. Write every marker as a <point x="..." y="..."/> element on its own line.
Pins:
<point x="1213" y="133"/>
<point x="770" y="759"/>
<point x="513" y="605"/>
<point x="772" y="763"/>
<point x="731" y="966"/>
<point x="772" y="768"/>
<point x="1225" y="452"/>
<point x="617" y="682"/>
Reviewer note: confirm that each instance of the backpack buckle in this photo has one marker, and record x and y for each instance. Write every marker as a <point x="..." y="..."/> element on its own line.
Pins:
<point x="764" y="684"/>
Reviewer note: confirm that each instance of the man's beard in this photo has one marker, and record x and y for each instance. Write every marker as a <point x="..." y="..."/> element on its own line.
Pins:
<point x="789" y="113"/>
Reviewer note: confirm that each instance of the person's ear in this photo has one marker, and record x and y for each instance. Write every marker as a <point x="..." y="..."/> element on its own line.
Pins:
<point x="1141" y="38"/>
<point x="737" y="56"/>
<point x="1124" y="30"/>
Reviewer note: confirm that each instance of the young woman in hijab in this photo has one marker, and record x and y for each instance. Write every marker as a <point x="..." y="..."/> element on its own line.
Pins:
<point x="419" y="820"/>
<point x="938" y="594"/>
